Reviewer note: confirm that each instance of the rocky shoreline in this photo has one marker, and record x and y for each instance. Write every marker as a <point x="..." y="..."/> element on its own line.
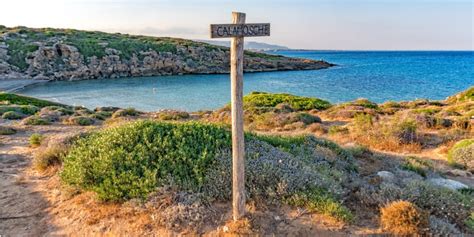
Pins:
<point x="37" y="54"/>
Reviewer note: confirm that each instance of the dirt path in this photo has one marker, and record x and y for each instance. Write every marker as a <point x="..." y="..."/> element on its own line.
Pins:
<point x="23" y="208"/>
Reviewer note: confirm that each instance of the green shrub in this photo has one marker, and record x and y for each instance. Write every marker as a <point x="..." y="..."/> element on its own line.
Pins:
<point x="358" y="150"/>
<point x="101" y="115"/>
<point x="24" y="109"/>
<point x="173" y="115"/>
<point x="311" y="170"/>
<point x="292" y="144"/>
<point x="336" y="129"/>
<point x="417" y="165"/>
<point x="7" y="130"/>
<point x="36" y="120"/>
<point x="462" y="154"/>
<point x="35" y="139"/>
<point x="405" y="131"/>
<point x="61" y="110"/>
<point x="132" y="160"/>
<point x="317" y="199"/>
<point x="308" y="118"/>
<point x="470" y="222"/>
<point x="80" y="120"/>
<point x="125" y="112"/>
<point x="365" y="103"/>
<point x="441" y="202"/>
<point x="12" y="115"/>
<point x="298" y="103"/>
<point x="11" y="98"/>
<point x="467" y="95"/>
<point x="362" y="123"/>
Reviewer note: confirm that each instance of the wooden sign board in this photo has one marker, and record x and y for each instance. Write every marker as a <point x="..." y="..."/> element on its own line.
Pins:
<point x="240" y="30"/>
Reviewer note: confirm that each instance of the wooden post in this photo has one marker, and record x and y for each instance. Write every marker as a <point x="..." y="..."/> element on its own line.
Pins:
<point x="237" y="31"/>
<point x="238" y="148"/>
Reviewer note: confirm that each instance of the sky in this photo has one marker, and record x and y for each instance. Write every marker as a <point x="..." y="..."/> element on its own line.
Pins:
<point x="300" y="24"/>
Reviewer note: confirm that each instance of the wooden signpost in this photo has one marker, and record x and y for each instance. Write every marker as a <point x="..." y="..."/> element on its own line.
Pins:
<point x="237" y="31"/>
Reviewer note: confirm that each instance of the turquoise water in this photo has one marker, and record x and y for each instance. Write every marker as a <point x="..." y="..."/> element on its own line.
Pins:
<point x="378" y="76"/>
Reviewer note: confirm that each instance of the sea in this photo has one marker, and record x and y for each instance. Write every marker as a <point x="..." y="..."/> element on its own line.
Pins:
<point x="376" y="75"/>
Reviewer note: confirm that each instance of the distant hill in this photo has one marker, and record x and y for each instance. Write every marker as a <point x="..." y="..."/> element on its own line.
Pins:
<point x="249" y="45"/>
<point x="68" y="54"/>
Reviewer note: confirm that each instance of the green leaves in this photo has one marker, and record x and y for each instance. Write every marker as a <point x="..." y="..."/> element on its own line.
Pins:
<point x="132" y="160"/>
<point x="298" y="103"/>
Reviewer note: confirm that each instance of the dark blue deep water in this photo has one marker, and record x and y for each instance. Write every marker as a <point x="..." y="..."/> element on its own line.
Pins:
<point x="379" y="76"/>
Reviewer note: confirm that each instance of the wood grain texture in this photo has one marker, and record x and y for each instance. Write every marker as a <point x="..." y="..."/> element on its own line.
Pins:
<point x="238" y="151"/>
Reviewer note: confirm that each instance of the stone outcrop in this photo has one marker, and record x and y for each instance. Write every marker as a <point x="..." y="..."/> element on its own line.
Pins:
<point x="56" y="60"/>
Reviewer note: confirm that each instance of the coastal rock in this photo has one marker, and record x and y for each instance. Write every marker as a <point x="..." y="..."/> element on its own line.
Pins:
<point x="448" y="183"/>
<point x="387" y="176"/>
<point x="56" y="58"/>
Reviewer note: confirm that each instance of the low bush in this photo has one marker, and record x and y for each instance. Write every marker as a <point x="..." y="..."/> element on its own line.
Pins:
<point x="297" y="103"/>
<point x="362" y="123"/>
<point x="173" y="115"/>
<point x="441" y="202"/>
<point x="24" y="109"/>
<point x="36" y="139"/>
<point x="36" y="120"/>
<point x="308" y="118"/>
<point x="61" y="110"/>
<point x="52" y="155"/>
<point x="80" y="120"/>
<point x="101" y="115"/>
<point x="125" y="112"/>
<point x="440" y="227"/>
<point x="467" y="95"/>
<point x="12" y="115"/>
<point x="403" y="218"/>
<point x="365" y="103"/>
<point x="417" y="165"/>
<point x="319" y="200"/>
<point x="132" y="160"/>
<point x="7" y="130"/>
<point x="309" y="174"/>
<point x="10" y="98"/>
<point x="405" y="131"/>
<point x="462" y="154"/>
<point x="470" y="222"/>
<point x="336" y="129"/>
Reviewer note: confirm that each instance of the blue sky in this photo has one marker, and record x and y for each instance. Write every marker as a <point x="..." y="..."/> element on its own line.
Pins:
<point x="316" y="24"/>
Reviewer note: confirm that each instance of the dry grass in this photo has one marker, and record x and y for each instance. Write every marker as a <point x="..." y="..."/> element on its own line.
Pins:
<point x="50" y="156"/>
<point x="404" y="219"/>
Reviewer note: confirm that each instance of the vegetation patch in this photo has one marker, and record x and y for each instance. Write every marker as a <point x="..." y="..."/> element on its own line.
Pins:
<point x="417" y="165"/>
<point x="24" y="109"/>
<point x="50" y="156"/>
<point x="80" y="120"/>
<point x="36" y="139"/>
<point x="132" y="160"/>
<point x="7" y="130"/>
<point x="298" y="103"/>
<point x="12" y="115"/>
<point x="10" y="98"/>
<point x="125" y="112"/>
<point x="462" y="154"/>
<point x="36" y="120"/>
<point x="319" y="200"/>
<point x="403" y="218"/>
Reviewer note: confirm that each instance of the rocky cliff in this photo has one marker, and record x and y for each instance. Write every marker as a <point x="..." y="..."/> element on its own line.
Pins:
<point x="57" y="54"/>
